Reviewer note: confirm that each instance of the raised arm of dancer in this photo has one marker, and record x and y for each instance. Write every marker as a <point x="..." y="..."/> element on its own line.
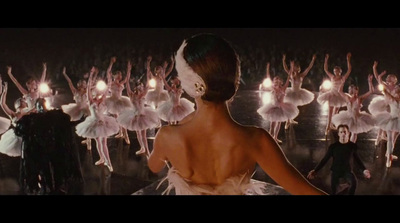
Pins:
<point x="268" y="71"/>
<point x="171" y="67"/>
<point x="378" y="77"/>
<point x="71" y="85"/>
<point x="109" y="69"/>
<point x="288" y="77"/>
<point x="19" y="86"/>
<point x="285" y="67"/>
<point x="164" y="77"/>
<point x="89" y="85"/>
<point x="309" y="66"/>
<point x="149" y="74"/>
<point x="371" y="88"/>
<point x="330" y="75"/>
<point x="273" y="161"/>
<point x="10" y="113"/>
<point x="128" y="76"/>
<point x="348" y="57"/>
<point x="43" y="77"/>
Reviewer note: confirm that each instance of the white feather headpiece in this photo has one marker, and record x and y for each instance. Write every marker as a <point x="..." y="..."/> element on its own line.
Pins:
<point x="191" y="82"/>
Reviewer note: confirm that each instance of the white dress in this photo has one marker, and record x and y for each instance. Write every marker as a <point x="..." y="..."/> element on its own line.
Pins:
<point x="297" y="95"/>
<point x="4" y="124"/>
<point x="158" y="94"/>
<point x="10" y="144"/>
<point x="357" y="120"/>
<point x="176" y="108"/>
<point x="116" y="103"/>
<point x="30" y="100"/>
<point x="97" y="124"/>
<point x="277" y="110"/>
<point x="138" y="117"/>
<point x="332" y="96"/>
<point x="237" y="185"/>
<point x="78" y="109"/>
<point x="389" y="121"/>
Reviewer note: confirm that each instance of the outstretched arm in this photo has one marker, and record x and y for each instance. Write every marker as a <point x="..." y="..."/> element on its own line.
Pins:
<point x="10" y="113"/>
<point x="268" y="71"/>
<point x="171" y="67"/>
<point x="109" y="69"/>
<point x="19" y="86"/>
<point x="285" y="67"/>
<point x="330" y="75"/>
<point x="71" y="85"/>
<point x="43" y="78"/>
<point x="148" y="69"/>
<point x="348" y="57"/>
<point x="163" y="76"/>
<point x="90" y="85"/>
<point x="309" y="67"/>
<point x="273" y="161"/>
<point x="371" y="88"/>
<point x="128" y="76"/>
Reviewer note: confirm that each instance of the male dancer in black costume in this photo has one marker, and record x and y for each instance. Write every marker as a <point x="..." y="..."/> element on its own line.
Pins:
<point x="50" y="157"/>
<point x="342" y="152"/>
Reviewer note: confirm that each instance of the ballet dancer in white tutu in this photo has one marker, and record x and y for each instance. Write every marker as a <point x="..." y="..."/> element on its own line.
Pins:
<point x="278" y="111"/>
<point x="80" y="108"/>
<point x="116" y="102"/>
<point x="332" y="96"/>
<point x="32" y="92"/>
<point x="139" y="118"/>
<point x="358" y="121"/>
<point x="380" y="103"/>
<point x="10" y="144"/>
<point x="157" y="95"/>
<point x="390" y="122"/>
<point x="296" y="94"/>
<point x="176" y="108"/>
<point x="98" y="125"/>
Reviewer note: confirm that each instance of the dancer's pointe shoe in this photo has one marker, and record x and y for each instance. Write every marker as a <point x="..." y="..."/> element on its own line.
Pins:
<point x="127" y="140"/>
<point x="109" y="166"/>
<point x="394" y="157"/>
<point x="287" y="125"/>
<point x="141" y="151"/>
<point x="389" y="160"/>
<point x="99" y="162"/>
<point x="119" y="135"/>
<point x="378" y="140"/>
<point x="293" y="122"/>
<point x="278" y="141"/>
<point x="83" y="142"/>
<point x="89" y="146"/>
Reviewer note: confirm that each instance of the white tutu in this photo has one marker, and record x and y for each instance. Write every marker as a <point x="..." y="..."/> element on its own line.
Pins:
<point x="156" y="97"/>
<point x="298" y="97"/>
<point x="387" y="122"/>
<point x="135" y="120"/>
<point x="363" y="123"/>
<point x="10" y="144"/>
<point x="238" y="185"/>
<point x="333" y="97"/>
<point x="5" y="123"/>
<point x="169" y="112"/>
<point x="378" y="104"/>
<point x="75" y="111"/>
<point x="92" y="127"/>
<point x="116" y="105"/>
<point x="279" y="112"/>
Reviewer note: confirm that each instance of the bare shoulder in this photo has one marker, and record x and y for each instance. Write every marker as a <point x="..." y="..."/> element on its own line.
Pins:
<point x="259" y="138"/>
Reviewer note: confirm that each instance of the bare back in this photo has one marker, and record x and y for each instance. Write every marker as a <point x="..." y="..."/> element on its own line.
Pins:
<point x="211" y="154"/>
